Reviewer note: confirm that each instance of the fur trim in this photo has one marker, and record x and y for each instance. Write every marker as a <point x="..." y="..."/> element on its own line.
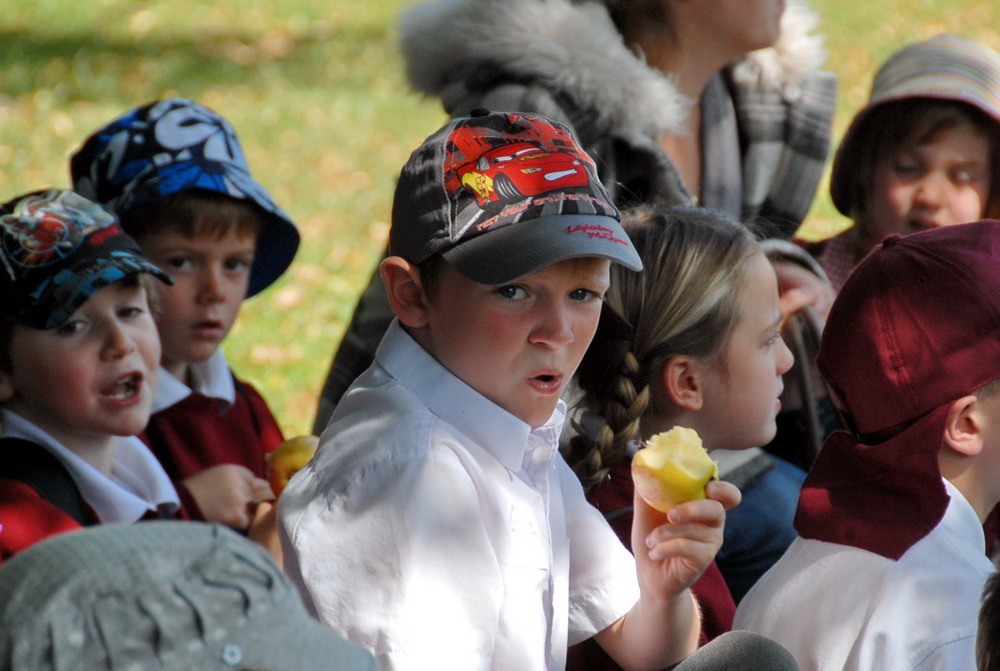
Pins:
<point x="575" y="47"/>
<point x="798" y="53"/>
<point x="572" y="47"/>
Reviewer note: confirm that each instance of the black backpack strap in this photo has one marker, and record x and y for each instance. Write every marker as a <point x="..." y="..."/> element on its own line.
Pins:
<point x="621" y="512"/>
<point x="35" y="466"/>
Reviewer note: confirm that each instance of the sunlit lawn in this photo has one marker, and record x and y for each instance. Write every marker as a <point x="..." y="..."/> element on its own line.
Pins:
<point x="317" y="95"/>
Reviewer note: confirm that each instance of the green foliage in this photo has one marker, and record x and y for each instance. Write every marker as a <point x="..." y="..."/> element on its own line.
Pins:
<point x="317" y="94"/>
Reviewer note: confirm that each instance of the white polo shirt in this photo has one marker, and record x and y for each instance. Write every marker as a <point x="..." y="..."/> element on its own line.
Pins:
<point x="838" y="607"/>
<point x="439" y="531"/>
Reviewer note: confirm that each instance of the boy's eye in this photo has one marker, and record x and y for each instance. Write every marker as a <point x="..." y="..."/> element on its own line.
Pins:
<point x="69" y="328"/>
<point x="963" y="177"/>
<point x="178" y="263"/>
<point x="584" y="295"/>
<point x="130" y="311"/>
<point x="237" y="264"/>
<point x="907" y="170"/>
<point x="511" y="292"/>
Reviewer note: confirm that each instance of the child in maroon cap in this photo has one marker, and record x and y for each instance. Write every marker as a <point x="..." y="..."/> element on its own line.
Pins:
<point x="890" y="516"/>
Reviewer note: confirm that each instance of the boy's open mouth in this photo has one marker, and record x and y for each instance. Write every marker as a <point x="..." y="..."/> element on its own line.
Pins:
<point x="125" y="387"/>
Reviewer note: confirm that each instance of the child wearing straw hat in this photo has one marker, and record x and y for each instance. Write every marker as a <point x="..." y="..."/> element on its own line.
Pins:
<point x="923" y="153"/>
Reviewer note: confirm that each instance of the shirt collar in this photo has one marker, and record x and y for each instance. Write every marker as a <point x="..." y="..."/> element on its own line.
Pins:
<point x="137" y="484"/>
<point x="502" y="434"/>
<point x="212" y="378"/>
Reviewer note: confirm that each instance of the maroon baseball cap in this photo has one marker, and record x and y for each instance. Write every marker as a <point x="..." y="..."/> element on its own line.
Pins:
<point x="915" y="325"/>
<point x="503" y="195"/>
<point x="914" y="328"/>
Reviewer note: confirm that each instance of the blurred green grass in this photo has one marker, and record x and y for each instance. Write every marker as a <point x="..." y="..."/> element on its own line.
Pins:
<point x="317" y="94"/>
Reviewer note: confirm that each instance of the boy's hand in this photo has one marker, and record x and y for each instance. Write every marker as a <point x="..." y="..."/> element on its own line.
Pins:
<point x="671" y="551"/>
<point x="264" y="529"/>
<point x="682" y="543"/>
<point x="227" y="493"/>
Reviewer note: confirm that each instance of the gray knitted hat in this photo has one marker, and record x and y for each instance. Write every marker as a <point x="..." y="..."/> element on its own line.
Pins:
<point x="159" y="595"/>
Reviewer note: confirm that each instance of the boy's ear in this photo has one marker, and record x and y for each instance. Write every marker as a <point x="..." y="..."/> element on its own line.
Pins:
<point x="7" y="390"/>
<point x="405" y="291"/>
<point x="963" y="431"/>
<point x="682" y="380"/>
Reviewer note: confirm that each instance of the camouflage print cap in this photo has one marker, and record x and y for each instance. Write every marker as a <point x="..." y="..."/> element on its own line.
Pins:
<point x="57" y="249"/>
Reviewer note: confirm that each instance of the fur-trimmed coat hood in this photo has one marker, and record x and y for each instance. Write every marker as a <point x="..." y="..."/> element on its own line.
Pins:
<point x="575" y="47"/>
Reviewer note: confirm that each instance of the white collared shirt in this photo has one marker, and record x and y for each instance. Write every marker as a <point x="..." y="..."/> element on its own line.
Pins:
<point x="838" y="607"/>
<point x="212" y="378"/>
<point x="440" y="531"/>
<point x="138" y="483"/>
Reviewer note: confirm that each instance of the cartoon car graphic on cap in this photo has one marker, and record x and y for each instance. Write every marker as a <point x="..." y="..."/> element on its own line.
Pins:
<point x="514" y="171"/>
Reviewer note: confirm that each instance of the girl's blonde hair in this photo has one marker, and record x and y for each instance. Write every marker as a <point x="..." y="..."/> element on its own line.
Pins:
<point x="686" y="301"/>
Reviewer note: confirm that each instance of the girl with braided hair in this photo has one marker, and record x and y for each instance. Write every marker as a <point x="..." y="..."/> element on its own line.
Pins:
<point x="693" y="340"/>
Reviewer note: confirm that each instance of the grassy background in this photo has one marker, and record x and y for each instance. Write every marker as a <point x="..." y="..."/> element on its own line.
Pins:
<point x="317" y="94"/>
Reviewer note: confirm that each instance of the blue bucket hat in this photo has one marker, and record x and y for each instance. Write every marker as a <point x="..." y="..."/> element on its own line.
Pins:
<point x="170" y="146"/>
<point x="57" y="249"/>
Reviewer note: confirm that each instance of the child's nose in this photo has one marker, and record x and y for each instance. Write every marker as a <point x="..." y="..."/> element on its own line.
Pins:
<point x="118" y="343"/>
<point x="555" y="328"/>
<point x="785" y="358"/>
<point x="932" y="191"/>
<point x="211" y="286"/>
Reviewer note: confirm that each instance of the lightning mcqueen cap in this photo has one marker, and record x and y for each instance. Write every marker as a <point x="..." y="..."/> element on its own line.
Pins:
<point x="503" y="195"/>
<point x="57" y="249"/>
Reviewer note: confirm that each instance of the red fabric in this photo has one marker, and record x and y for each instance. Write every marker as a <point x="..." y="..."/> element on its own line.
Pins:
<point x="882" y="498"/>
<point x="915" y="325"/>
<point x="26" y="518"/>
<point x="717" y="605"/>
<point x="197" y="433"/>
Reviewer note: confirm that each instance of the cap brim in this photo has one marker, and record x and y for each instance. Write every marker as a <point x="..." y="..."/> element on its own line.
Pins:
<point x="62" y="298"/>
<point x="279" y="240"/>
<point x="516" y="250"/>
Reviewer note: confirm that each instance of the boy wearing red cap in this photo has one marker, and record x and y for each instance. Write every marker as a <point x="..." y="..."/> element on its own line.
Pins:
<point x="79" y="355"/>
<point x="438" y="524"/>
<point x="890" y="562"/>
